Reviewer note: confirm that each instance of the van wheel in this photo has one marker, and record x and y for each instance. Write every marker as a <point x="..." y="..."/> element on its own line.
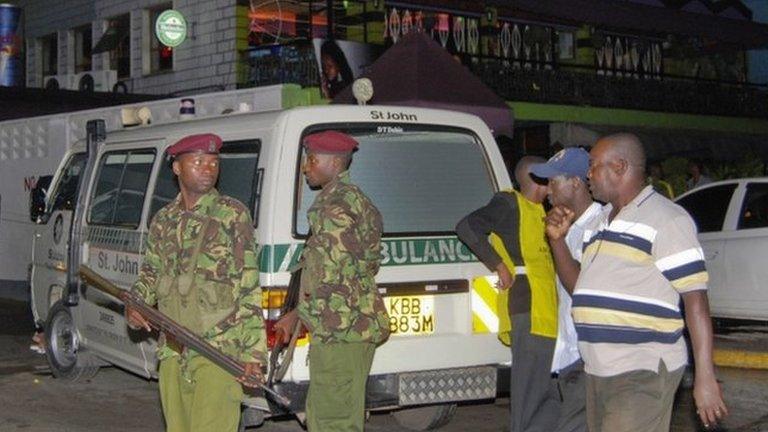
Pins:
<point x="67" y="361"/>
<point x="425" y="418"/>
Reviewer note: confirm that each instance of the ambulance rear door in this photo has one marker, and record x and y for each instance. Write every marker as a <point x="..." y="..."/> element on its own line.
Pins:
<point x="424" y="170"/>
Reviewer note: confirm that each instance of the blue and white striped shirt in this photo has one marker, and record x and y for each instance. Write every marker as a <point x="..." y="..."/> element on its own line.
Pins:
<point x="626" y="304"/>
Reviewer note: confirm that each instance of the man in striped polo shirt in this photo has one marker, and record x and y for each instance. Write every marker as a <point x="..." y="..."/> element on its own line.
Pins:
<point x="639" y="258"/>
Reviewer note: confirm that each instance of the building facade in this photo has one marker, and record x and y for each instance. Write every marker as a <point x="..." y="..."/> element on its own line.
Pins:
<point x="227" y="38"/>
<point x="678" y="71"/>
<point x="114" y="42"/>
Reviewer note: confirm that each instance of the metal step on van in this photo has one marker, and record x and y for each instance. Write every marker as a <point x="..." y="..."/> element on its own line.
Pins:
<point x="424" y="169"/>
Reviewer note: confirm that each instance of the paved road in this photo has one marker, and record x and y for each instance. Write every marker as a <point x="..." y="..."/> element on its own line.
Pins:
<point x="32" y="400"/>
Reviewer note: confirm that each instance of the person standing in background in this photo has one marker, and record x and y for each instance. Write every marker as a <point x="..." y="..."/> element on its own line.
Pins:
<point x="656" y="179"/>
<point x="697" y="177"/>
<point x="568" y="192"/>
<point x="641" y="256"/>
<point x="519" y="253"/>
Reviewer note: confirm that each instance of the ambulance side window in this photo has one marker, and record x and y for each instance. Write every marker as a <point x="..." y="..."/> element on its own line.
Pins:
<point x="238" y="176"/>
<point x="166" y="189"/>
<point x="64" y="197"/>
<point x="121" y="185"/>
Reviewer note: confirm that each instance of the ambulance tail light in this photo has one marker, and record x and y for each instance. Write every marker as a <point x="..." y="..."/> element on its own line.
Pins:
<point x="272" y="299"/>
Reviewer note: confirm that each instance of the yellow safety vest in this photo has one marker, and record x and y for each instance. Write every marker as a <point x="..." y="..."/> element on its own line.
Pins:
<point x="537" y="266"/>
<point x="662" y="187"/>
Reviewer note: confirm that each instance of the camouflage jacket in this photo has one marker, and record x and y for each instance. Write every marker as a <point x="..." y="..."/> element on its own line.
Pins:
<point x="339" y="301"/>
<point x="226" y="261"/>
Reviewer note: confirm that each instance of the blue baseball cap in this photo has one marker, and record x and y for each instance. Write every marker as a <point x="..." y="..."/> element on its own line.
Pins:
<point x="569" y="162"/>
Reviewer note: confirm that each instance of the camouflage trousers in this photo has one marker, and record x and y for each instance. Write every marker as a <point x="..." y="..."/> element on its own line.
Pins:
<point x="209" y="403"/>
<point x="337" y="376"/>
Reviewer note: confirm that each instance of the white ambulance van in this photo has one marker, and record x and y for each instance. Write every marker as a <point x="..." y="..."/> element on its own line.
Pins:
<point x="32" y="148"/>
<point x="424" y="169"/>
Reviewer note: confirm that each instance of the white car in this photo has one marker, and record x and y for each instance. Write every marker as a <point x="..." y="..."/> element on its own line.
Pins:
<point x="732" y="217"/>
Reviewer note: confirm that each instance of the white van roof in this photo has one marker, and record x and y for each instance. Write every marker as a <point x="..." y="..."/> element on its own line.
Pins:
<point x="300" y="115"/>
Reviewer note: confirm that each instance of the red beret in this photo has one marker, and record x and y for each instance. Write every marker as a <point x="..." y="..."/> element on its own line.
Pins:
<point x="330" y="142"/>
<point x="205" y="143"/>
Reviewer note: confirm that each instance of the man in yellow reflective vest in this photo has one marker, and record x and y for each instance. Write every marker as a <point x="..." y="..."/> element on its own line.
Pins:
<point x="507" y="235"/>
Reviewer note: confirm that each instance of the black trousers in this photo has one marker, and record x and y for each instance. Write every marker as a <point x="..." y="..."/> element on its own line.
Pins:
<point x="571" y="383"/>
<point x="534" y="399"/>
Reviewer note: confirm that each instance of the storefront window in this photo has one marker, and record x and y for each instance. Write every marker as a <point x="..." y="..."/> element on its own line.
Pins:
<point x="566" y="45"/>
<point x="629" y="56"/>
<point x="50" y="54"/>
<point x="120" y="55"/>
<point x="160" y="56"/>
<point x="459" y="34"/>
<point x="529" y="45"/>
<point x="83" y="47"/>
<point x="351" y="20"/>
<point x="280" y="22"/>
<point x="275" y="22"/>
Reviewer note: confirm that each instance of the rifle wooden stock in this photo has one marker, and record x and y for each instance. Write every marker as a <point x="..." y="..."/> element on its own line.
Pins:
<point x="181" y="334"/>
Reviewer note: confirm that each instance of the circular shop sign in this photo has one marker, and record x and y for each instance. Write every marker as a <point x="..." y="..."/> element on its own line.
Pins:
<point x="171" y="28"/>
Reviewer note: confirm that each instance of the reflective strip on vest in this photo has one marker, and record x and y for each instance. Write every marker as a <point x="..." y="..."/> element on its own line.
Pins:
<point x="484" y="300"/>
<point x="488" y="304"/>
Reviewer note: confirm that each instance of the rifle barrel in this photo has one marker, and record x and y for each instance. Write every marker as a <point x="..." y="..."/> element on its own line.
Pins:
<point x="180" y="333"/>
<point x="96" y="280"/>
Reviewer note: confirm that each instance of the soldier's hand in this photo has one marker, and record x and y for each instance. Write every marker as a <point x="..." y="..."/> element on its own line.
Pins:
<point x="558" y="222"/>
<point x="136" y="320"/>
<point x="505" y="277"/>
<point x="284" y="327"/>
<point x="253" y="376"/>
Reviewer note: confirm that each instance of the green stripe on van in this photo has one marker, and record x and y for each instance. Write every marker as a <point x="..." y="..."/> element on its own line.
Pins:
<point x="416" y="251"/>
<point x="395" y="252"/>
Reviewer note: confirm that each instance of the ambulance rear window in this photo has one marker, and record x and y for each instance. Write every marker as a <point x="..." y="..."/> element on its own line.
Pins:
<point x="423" y="179"/>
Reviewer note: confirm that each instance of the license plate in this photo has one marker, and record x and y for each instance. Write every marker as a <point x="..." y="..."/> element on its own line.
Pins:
<point x="411" y="315"/>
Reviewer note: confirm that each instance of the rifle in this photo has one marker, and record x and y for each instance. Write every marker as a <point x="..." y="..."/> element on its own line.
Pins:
<point x="282" y="354"/>
<point x="178" y="332"/>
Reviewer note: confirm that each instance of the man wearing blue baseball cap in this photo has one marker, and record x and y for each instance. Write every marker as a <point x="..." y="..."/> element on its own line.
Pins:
<point x="640" y="259"/>
<point x="568" y="192"/>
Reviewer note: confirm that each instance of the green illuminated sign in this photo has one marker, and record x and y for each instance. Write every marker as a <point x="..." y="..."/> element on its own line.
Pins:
<point x="394" y="252"/>
<point x="171" y="28"/>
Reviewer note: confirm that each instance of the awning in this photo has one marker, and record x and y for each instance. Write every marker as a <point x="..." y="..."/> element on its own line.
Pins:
<point x="23" y="102"/>
<point x="617" y="14"/>
<point x="418" y="72"/>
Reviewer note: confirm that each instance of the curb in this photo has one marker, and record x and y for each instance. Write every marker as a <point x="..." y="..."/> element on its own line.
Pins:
<point x="740" y="359"/>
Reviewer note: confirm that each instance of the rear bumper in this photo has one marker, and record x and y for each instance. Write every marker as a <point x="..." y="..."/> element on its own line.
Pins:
<point x="416" y="388"/>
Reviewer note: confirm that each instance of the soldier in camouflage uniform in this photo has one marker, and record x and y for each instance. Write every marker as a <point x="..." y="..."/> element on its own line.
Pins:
<point x="339" y="302"/>
<point x="200" y="269"/>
